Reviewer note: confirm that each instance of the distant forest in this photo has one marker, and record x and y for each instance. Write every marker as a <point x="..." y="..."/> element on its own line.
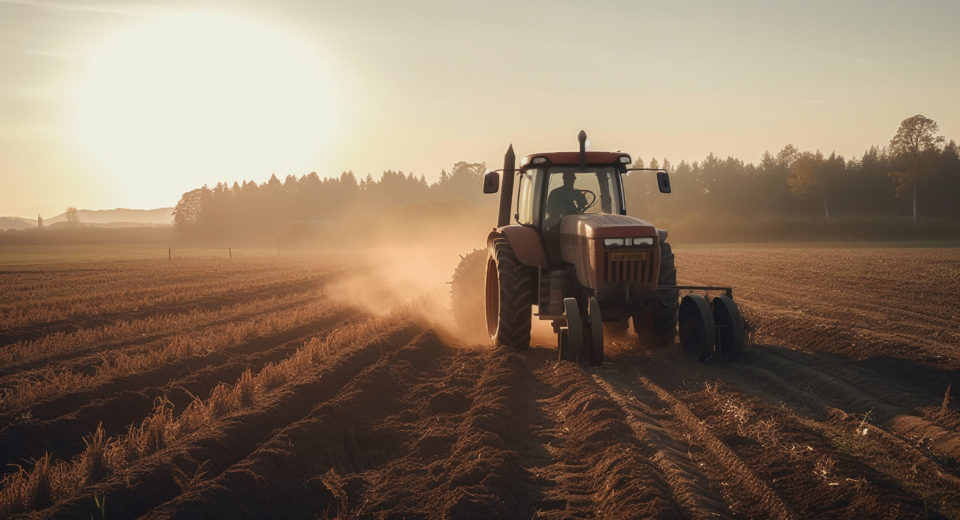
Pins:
<point x="916" y="176"/>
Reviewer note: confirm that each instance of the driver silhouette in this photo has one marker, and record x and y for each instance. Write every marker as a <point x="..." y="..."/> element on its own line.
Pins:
<point x="564" y="200"/>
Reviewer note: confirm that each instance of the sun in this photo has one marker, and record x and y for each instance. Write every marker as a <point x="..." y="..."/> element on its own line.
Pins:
<point x="181" y="100"/>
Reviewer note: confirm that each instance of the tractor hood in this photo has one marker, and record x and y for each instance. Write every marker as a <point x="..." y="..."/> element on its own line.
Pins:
<point x="593" y="225"/>
<point x="605" y="268"/>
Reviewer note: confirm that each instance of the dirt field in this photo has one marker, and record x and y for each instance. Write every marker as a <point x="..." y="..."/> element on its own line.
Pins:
<point x="308" y="388"/>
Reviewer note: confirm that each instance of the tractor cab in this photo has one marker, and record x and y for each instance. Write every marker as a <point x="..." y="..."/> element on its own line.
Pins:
<point x="555" y="185"/>
<point x="550" y="190"/>
<point x="552" y="186"/>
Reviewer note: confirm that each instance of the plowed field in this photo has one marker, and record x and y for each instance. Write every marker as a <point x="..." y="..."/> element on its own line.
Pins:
<point x="320" y="388"/>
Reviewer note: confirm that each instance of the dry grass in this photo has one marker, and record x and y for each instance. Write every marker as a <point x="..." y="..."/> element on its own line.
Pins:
<point x="743" y="416"/>
<point x="49" y="481"/>
<point x="46" y="297"/>
<point x="83" y="339"/>
<point x="29" y="389"/>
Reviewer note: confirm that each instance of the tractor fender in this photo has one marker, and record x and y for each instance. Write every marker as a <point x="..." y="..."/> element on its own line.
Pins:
<point x="525" y="242"/>
<point x="662" y="234"/>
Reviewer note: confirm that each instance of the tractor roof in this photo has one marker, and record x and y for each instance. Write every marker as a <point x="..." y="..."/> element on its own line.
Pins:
<point x="573" y="158"/>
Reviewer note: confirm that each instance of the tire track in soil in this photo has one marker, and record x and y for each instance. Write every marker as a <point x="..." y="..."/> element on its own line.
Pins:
<point x="428" y="431"/>
<point x="836" y="408"/>
<point x="156" y="479"/>
<point x="904" y="395"/>
<point x="832" y="383"/>
<point x="749" y="489"/>
<point x="897" y="360"/>
<point x="467" y="443"/>
<point x="696" y="495"/>
<point x="860" y="341"/>
<point x="598" y="467"/>
<point x="816" y="468"/>
<point x="129" y="399"/>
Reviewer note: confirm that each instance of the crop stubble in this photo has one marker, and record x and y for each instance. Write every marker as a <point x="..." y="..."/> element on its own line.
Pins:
<point x="317" y="408"/>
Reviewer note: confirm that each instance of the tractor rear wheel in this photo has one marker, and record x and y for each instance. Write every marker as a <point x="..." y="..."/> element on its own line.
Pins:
<point x="466" y="295"/>
<point x="511" y="290"/>
<point x="656" y="323"/>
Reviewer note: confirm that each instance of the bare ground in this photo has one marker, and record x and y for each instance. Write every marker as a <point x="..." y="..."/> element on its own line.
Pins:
<point x="841" y="407"/>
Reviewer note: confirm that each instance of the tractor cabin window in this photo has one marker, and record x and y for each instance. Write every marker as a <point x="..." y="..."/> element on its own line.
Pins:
<point x="571" y="190"/>
<point x="526" y="198"/>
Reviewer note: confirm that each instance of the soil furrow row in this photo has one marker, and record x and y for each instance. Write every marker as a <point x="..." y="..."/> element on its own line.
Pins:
<point x="698" y="497"/>
<point x="71" y="324"/>
<point x="221" y="444"/>
<point x="753" y="490"/>
<point x="57" y="436"/>
<point x="322" y="452"/>
<point x="817" y="466"/>
<point x="35" y="357"/>
<point x="599" y="468"/>
<point x="155" y="375"/>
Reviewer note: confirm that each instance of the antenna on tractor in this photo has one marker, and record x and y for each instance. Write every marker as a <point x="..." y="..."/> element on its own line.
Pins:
<point x="582" y="137"/>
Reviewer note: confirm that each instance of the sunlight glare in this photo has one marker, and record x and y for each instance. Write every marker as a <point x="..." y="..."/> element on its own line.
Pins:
<point x="186" y="99"/>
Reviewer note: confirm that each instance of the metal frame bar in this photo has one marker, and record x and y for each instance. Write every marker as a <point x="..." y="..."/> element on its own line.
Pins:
<point x="727" y="290"/>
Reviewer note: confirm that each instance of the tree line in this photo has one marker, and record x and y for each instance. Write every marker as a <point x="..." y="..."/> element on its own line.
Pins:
<point x="917" y="175"/>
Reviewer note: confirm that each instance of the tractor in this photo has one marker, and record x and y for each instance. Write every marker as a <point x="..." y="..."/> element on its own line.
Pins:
<point x="574" y="254"/>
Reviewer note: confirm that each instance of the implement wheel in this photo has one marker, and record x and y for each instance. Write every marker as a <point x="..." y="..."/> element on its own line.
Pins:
<point x="731" y="336"/>
<point x="572" y="344"/>
<point x="697" y="331"/>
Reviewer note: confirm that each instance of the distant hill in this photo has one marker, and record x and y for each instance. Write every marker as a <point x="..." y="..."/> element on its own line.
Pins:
<point x="17" y="223"/>
<point x="159" y="216"/>
<point x="113" y="218"/>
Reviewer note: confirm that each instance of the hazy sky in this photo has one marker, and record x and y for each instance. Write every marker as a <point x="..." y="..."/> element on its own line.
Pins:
<point x="122" y="104"/>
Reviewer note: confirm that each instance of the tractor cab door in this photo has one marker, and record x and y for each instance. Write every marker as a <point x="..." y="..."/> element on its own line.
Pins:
<point x="528" y="197"/>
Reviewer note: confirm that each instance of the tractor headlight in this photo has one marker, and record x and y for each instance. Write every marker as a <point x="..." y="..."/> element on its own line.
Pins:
<point x="621" y="242"/>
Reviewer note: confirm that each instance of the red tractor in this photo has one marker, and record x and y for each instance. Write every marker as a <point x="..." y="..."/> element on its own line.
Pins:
<point x="575" y="254"/>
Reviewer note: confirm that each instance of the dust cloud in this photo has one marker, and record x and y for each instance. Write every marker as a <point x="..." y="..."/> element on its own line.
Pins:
<point x="414" y="280"/>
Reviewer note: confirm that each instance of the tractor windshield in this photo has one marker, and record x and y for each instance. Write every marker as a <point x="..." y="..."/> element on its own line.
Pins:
<point x="572" y="190"/>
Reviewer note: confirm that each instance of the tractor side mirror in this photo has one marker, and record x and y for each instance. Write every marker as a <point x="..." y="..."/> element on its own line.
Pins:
<point x="491" y="182"/>
<point x="663" y="181"/>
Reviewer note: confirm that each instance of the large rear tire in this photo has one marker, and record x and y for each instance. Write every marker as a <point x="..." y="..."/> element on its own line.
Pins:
<point x="511" y="290"/>
<point x="656" y="323"/>
<point x="466" y="295"/>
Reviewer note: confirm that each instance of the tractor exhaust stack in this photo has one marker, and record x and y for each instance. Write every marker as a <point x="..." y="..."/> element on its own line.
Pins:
<point x="582" y="137"/>
<point x="506" y="189"/>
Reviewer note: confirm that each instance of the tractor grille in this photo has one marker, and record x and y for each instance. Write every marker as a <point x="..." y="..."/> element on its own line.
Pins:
<point x="634" y="271"/>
